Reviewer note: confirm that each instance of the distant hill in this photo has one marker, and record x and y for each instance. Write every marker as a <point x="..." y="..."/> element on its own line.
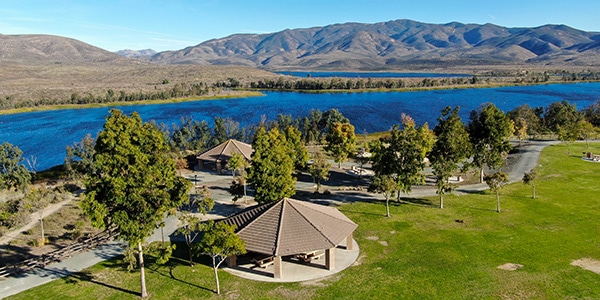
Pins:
<point x="48" y="49"/>
<point x="140" y="54"/>
<point x="395" y="44"/>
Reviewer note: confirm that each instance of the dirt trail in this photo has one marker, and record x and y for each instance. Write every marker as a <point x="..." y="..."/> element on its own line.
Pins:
<point x="34" y="221"/>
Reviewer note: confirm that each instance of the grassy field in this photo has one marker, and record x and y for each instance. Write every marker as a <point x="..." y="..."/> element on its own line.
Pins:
<point x="421" y="252"/>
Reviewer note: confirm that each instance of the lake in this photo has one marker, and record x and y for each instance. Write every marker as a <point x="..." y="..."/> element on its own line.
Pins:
<point x="44" y="135"/>
<point x="365" y="75"/>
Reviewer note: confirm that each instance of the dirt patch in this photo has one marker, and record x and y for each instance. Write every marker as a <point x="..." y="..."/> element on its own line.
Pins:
<point x="384" y="243"/>
<point x="372" y="238"/>
<point x="359" y="260"/>
<point x="510" y="267"/>
<point x="320" y="282"/>
<point x="587" y="264"/>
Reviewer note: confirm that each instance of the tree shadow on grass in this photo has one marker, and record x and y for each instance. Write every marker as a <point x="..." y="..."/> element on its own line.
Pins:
<point x="180" y="258"/>
<point x="75" y="277"/>
<point x="417" y="201"/>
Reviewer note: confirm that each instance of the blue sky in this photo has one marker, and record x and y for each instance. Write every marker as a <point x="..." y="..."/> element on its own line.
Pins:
<point x="176" y="24"/>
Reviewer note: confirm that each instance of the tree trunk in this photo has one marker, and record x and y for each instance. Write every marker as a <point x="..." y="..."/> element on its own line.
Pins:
<point x="533" y="186"/>
<point x="498" y="201"/>
<point x="190" y="253"/>
<point x="43" y="241"/>
<point x="441" y="201"/>
<point x="481" y="175"/>
<point x="387" y="206"/>
<point x="245" y="199"/>
<point x="144" y="293"/>
<point x="216" y="268"/>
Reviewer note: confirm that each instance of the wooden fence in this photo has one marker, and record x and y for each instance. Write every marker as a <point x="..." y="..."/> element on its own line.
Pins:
<point x="57" y="255"/>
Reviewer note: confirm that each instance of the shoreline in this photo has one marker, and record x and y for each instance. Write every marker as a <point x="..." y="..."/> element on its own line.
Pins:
<point x="247" y="93"/>
<point x="242" y="94"/>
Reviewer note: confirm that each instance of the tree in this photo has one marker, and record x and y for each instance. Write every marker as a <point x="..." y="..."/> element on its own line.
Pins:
<point x="568" y="134"/>
<point x="451" y="147"/>
<point x="272" y="166"/>
<point x="341" y="141"/>
<point x="402" y="154"/>
<point x="521" y="130"/>
<point x="219" y="241"/>
<point x="299" y="153"/>
<point x="36" y="200"/>
<point x="386" y="185"/>
<point x="79" y="159"/>
<point x="529" y="178"/>
<point x="489" y="131"/>
<point x="587" y="131"/>
<point x="531" y="117"/>
<point x="561" y="114"/>
<point x="496" y="181"/>
<point x="238" y="165"/>
<point x="134" y="182"/>
<point x="319" y="169"/>
<point x="592" y="113"/>
<point x="12" y="172"/>
<point x="200" y="202"/>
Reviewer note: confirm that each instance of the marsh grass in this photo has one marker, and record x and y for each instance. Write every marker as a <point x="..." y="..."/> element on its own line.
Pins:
<point x="428" y="254"/>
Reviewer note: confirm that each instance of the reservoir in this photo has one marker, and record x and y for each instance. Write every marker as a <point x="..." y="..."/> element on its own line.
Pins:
<point x="45" y="135"/>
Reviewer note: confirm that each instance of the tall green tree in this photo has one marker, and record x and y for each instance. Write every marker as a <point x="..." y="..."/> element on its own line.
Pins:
<point x="496" y="181"/>
<point x="561" y="114"/>
<point x="298" y="150"/>
<point x="451" y="147"/>
<point x="401" y="155"/>
<point x="219" y="241"/>
<point x="341" y="141"/>
<point x="272" y="166"/>
<point x="12" y="172"/>
<point x="134" y="182"/>
<point x="489" y="130"/>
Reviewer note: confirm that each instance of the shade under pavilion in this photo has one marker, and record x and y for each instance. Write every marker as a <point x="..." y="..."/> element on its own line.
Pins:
<point x="291" y="227"/>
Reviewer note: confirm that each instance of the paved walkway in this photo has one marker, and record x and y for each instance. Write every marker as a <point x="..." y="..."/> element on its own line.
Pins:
<point x="525" y="161"/>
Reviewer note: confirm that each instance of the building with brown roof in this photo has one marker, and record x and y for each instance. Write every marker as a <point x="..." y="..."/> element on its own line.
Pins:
<point x="217" y="157"/>
<point x="293" y="228"/>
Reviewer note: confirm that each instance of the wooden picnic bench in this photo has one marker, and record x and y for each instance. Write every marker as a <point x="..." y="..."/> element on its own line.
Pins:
<point x="309" y="256"/>
<point x="265" y="262"/>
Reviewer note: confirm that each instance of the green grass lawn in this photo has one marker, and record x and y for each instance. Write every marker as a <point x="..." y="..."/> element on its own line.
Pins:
<point x="426" y="254"/>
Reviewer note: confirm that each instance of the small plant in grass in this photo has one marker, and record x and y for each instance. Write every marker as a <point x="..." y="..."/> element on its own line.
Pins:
<point x="496" y="181"/>
<point x="529" y="178"/>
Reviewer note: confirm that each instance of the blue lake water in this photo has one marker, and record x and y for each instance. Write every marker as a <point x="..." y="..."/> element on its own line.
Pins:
<point x="46" y="134"/>
<point x="370" y="74"/>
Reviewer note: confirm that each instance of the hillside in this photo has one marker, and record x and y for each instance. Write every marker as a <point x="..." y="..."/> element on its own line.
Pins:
<point x="49" y="49"/>
<point x="399" y="44"/>
<point x="49" y="68"/>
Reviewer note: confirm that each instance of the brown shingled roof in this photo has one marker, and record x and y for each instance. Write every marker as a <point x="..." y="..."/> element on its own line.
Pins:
<point x="223" y="151"/>
<point x="290" y="227"/>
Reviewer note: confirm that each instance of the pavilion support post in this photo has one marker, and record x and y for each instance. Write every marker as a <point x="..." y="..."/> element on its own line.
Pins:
<point x="232" y="261"/>
<point x="277" y="270"/>
<point x="330" y="259"/>
<point x="349" y="243"/>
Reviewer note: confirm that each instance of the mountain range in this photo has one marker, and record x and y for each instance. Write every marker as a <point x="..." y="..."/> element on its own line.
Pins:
<point x="395" y="44"/>
<point x="399" y="44"/>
